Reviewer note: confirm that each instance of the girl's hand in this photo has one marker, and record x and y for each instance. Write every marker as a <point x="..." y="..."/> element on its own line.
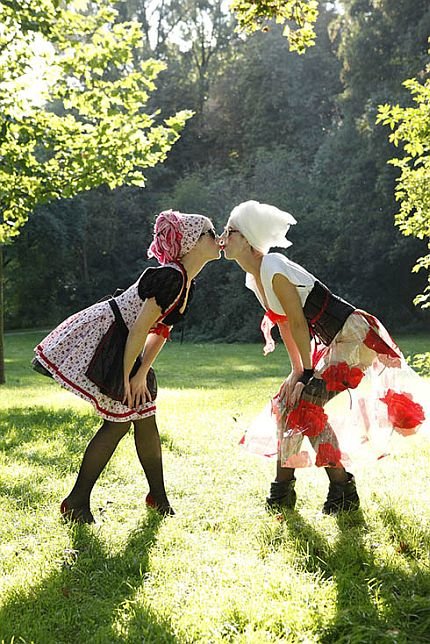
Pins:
<point x="127" y="393"/>
<point x="287" y="389"/>
<point x="296" y="394"/>
<point x="137" y="392"/>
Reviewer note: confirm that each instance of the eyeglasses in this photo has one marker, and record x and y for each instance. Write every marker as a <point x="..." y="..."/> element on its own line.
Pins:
<point x="211" y="232"/>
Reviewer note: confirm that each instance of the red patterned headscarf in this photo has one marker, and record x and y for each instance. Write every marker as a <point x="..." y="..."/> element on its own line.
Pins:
<point x="175" y="234"/>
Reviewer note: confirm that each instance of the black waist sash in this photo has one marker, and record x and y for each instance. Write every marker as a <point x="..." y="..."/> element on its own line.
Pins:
<point x="326" y="313"/>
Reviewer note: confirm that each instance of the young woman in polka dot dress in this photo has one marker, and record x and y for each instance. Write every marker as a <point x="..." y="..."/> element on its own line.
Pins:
<point x="182" y="244"/>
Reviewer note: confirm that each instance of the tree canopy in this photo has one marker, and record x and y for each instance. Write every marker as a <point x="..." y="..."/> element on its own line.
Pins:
<point x="87" y="127"/>
<point x="297" y="16"/>
<point x="410" y="129"/>
<point x="296" y="131"/>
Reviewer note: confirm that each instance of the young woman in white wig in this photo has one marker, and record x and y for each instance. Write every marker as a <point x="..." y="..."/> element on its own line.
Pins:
<point x="333" y="348"/>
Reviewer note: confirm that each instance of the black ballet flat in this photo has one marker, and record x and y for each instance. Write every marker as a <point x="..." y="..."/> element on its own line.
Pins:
<point x="80" y="515"/>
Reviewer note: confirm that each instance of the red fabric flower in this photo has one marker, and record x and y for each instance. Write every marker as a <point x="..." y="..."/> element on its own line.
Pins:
<point x="375" y="342"/>
<point x="403" y="412"/>
<point x="328" y="456"/>
<point x="307" y="418"/>
<point x="341" y="376"/>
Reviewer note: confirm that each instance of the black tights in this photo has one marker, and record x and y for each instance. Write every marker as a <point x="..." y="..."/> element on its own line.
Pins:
<point x="335" y="474"/>
<point x="99" y="451"/>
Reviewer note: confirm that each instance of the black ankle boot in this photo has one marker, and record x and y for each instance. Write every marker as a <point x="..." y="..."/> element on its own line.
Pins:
<point x="342" y="497"/>
<point x="282" y="495"/>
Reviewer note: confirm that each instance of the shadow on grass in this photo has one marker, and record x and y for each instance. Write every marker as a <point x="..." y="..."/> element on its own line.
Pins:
<point x="90" y="595"/>
<point x="39" y="425"/>
<point x="376" y="602"/>
<point x="27" y="434"/>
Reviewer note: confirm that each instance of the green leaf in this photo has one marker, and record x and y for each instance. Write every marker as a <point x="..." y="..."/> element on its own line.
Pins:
<point x="101" y="134"/>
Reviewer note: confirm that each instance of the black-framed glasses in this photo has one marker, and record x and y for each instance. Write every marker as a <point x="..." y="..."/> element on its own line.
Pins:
<point x="211" y="232"/>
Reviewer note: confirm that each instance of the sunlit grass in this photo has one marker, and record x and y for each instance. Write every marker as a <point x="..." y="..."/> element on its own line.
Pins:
<point x="222" y="569"/>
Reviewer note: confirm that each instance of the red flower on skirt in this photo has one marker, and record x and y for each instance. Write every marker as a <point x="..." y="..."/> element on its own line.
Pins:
<point x="307" y="418"/>
<point x="375" y="342"/>
<point x="328" y="456"/>
<point x="403" y="412"/>
<point x="341" y="376"/>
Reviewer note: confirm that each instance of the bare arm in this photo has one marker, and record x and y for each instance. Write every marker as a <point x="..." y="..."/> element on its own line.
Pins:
<point x="289" y="298"/>
<point x="138" y="339"/>
<point x="153" y="345"/>
<point x="295" y="335"/>
<point x="291" y="347"/>
<point x="139" y="392"/>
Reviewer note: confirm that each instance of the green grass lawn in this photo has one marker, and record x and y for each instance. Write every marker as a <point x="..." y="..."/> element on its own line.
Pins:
<point x="223" y="569"/>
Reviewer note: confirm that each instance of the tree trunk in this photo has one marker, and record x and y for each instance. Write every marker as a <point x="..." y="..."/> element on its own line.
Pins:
<point x="2" y="374"/>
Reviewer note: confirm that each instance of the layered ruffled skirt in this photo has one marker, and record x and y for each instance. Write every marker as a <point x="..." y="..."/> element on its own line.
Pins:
<point x="363" y="393"/>
<point x="67" y="351"/>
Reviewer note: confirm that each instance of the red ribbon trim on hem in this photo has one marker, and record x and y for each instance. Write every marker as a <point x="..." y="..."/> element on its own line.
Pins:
<point x="89" y="396"/>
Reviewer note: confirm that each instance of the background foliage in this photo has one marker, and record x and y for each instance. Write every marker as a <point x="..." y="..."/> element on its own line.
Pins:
<point x="296" y="131"/>
<point x="87" y="127"/>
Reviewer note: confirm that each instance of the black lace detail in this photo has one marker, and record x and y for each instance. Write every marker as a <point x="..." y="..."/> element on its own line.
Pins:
<point x="164" y="283"/>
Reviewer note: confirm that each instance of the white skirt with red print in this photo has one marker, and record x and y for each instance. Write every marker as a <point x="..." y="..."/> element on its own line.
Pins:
<point x="363" y="393"/>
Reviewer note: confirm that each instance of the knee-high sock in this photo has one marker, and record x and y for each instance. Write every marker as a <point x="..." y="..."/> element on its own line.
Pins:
<point x="97" y="455"/>
<point x="148" y="447"/>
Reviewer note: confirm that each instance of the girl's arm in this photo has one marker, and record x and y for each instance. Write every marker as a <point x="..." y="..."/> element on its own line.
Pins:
<point x="135" y="390"/>
<point x="297" y="339"/>
<point x="289" y="298"/>
<point x="290" y="382"/>
<point x="138" y="384"/>
<point x="291" y="347"/>
<point x="153" y="345"/>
